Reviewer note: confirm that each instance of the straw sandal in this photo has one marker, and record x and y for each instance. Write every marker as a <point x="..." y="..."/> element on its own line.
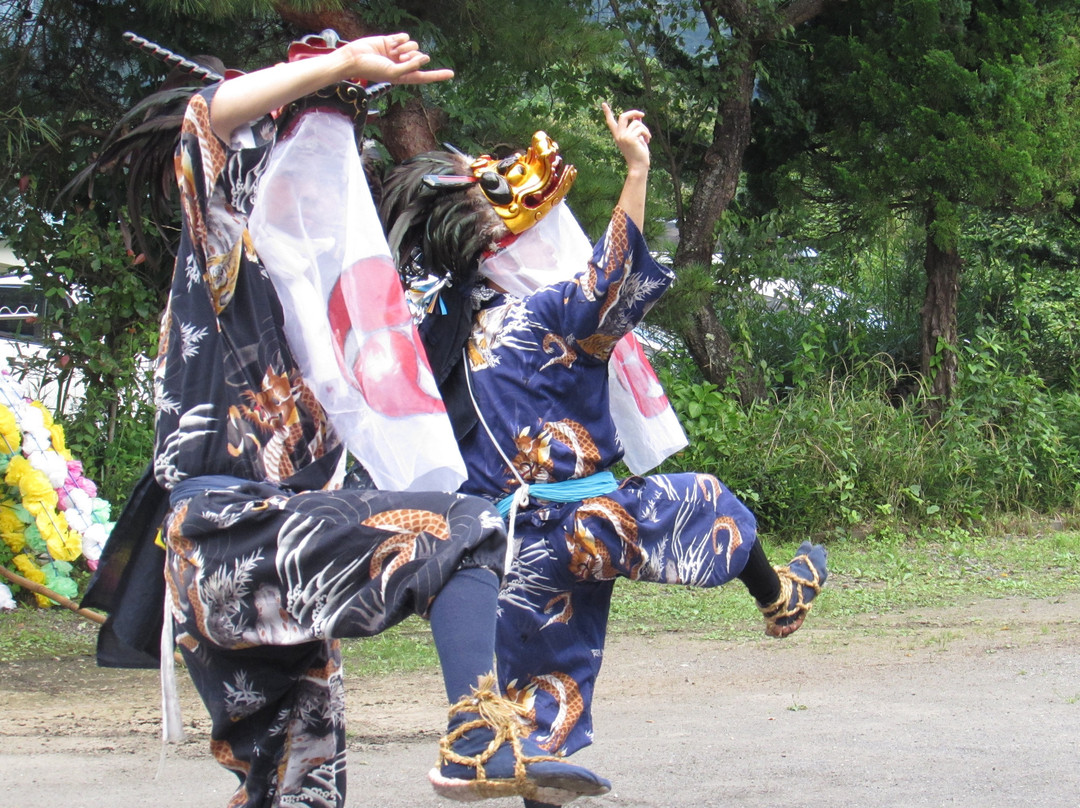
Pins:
<point x="800" y="582"/>
<point x="488" y="752"/>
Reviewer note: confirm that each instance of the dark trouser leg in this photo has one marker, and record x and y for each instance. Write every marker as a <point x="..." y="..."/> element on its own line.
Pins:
<point x="463" y="625"/>
<point x="269" y="575"/>
<point x="469" y="767"/>
<point x="278" y="720"/>
<point x="549" y="643"/>
<point x="760" y="578"/>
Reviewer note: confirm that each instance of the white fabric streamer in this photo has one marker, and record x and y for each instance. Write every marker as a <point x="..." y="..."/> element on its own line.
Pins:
<point x="172" y="722"/>
<point x="647" y="423"/>
<point x="316" y="230"/>
<point x="553" y="250"/>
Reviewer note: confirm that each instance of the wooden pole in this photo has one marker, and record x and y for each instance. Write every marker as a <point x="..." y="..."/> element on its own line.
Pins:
<point x="38" y="589"/>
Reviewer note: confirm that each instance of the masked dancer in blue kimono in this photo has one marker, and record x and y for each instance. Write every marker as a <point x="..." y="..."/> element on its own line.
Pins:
<point x="286" y="343"/>
<point x="529" y="329"/>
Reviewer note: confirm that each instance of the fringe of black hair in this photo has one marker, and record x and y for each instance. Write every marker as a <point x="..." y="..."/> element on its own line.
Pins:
<point x="437" y="230"/>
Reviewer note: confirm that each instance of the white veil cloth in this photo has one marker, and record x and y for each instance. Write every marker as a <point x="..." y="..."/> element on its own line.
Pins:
<point x="315" y="227"/>
<point x="555" y="250"/>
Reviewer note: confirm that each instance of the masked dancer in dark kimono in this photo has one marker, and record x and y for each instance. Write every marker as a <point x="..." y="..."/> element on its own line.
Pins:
<point x="529" y="328"/>
<point x="286" y="344"/>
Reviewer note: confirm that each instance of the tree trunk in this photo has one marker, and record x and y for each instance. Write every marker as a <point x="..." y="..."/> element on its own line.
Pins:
<point x="711" y="348"/>
<point x="315" y="21"/>
<point x="751" y="24"/>
<point x="409" y="129"/>
<point x="938" y="331"/>
<point x="721" y="167"/>
<point x="708" y="341"/>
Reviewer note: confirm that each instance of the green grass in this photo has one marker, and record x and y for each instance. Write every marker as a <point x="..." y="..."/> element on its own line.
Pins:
<point x="885" y="574"/>
<point x="31" y="633"/>
<point x="868" y="575"/>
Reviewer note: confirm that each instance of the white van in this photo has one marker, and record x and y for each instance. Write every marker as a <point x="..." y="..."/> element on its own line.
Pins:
<point x="22" y="308"/>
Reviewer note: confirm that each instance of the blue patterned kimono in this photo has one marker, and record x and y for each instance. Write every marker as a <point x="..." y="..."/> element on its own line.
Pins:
<point x="539" y="377"/>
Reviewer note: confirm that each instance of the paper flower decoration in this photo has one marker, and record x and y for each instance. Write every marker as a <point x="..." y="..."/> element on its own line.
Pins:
<point x="50" y="514"/>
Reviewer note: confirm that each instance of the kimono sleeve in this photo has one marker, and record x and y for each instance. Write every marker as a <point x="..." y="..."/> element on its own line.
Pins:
<point x="613" y="294"/>
<point x="218" y="181"/>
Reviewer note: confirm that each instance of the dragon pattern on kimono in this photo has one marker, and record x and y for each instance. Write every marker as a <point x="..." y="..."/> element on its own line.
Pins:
<point x="590" y="560"/>
<point x="273" y="410"/>
<point x="406" y="525"/>
<point x="564" y="692"/>
<point x="533" y="461"/>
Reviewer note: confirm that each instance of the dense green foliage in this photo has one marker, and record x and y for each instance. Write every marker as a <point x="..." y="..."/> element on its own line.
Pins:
<point x="932" y="104"/>
<point x="102" y="345"/>
<point x="944" y="110"/>
<point x="849" y="453"/>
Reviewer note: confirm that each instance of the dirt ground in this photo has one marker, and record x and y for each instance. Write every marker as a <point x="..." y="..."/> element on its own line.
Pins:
<point x="978" y="705"/>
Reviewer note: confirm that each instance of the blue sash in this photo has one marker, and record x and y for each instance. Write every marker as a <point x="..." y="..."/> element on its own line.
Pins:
<point x="603" y="482"/>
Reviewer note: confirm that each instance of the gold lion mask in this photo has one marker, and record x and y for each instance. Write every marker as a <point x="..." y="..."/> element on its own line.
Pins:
<point x="523" y="188"/>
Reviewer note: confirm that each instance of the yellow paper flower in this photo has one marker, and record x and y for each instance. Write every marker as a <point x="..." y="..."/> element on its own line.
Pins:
<point x="37" y="492"/>
<point x="28" y="569"/>
<point x="59" y="443"/>
<point x="31" y="524"/>
<point x="63" y="543"/>
<point x="10" y="434"/>
<point x="18" y="466"/>
<point x="11" y="527"/>
<point x="40" y="473"/>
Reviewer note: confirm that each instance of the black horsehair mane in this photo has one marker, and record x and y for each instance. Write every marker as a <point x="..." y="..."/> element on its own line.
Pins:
<point x="437" y="230"/>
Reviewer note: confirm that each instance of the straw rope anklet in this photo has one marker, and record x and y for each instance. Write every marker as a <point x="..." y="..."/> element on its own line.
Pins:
<point x="509" y="723"/>
<point x="791" y="583"/>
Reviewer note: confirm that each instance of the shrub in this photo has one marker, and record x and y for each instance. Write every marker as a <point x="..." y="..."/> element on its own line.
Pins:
<point x="839" y="454"/>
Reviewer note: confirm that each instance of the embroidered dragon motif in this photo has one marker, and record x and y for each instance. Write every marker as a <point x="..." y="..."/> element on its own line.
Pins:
<point x="564" y="613"/>
<point x="734" y="542"/>
<point x="533" y="459"/>
<point x="618" y="245"/>
<point x="406" y="524"/>
<point x="575" y="436"/>
<point x="273" y="409"/>
<point x="562" y="349"/>
<point x="564" y="691"/>
<point x="533" y="462"/>
<point x="590" y="559"/>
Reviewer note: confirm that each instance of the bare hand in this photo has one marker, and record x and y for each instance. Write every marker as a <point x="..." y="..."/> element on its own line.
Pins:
<point x="395" y="58"/>
<point x="631" y="135"/>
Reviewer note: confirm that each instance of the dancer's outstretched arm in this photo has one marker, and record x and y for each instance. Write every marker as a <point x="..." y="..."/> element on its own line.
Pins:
<point x="632" y="137"/>
<point x="395" y="58"/>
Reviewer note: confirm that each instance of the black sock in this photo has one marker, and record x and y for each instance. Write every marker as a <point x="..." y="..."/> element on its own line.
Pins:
<point x="760" y="577"/>
<point x="463" y="625"/>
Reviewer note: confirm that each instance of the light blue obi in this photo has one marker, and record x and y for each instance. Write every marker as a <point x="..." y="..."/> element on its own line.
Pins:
<point x="595" y="485"/>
